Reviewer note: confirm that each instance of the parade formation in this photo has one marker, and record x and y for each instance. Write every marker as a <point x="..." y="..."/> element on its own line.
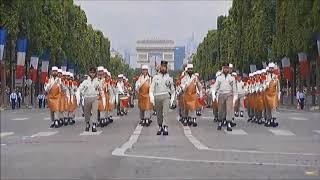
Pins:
<point x="230" y="93"/>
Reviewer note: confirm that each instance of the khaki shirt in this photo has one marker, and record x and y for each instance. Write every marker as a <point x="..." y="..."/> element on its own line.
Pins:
<point x="225" y="85"/>
<point x="90" y="87"/>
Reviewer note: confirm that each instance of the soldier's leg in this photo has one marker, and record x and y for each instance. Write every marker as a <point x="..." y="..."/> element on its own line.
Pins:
<point x="159" y="113"/>
<point x="268" y="117"/>
<point x="147" y="117"/>
<point x="193" y="117"/>
<point x="221" y="110"/>
<point x="87" y="112"/>
<point x="241" y="106"/>
<point x="141" y="113"/>
<point x="94" y="110"/>
<point x="165" y="110"/>
<point x="229" y="111"/>
<point x="55" y="116"/>
<point x="52" y="119"/>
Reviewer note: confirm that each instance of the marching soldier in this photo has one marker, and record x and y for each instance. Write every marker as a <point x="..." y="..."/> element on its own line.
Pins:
<point x="101" y="98"/>
<point x="250" y="97"/>
<point x="73" y="86"/>
<point x="110" y="97"/>
<point x="272" y="95"/>
<point x="144" y="104"/>
<point x="121" y="89"/>
<point x="259" y="98"/>
<point x="190" y="83"/>
<point x="53" y="88"/>
<point x="162" y="95"/>
<point x="241" y="95"/>
<point x="226" y="87"/>
<point x="179" y="94"/>
<point x="215" y="104"/>
<point x="91" y="89"/>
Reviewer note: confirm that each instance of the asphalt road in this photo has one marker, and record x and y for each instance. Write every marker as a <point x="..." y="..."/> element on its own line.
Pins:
<point x="125" y="150"/>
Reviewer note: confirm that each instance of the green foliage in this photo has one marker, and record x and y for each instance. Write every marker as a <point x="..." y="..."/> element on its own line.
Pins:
<point x="257" y="31"/>
<point x="59" y="26"/>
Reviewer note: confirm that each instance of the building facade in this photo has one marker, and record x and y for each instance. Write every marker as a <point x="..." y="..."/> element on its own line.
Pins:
<point x="153" y="51"/>
<point x="179" y="55"/>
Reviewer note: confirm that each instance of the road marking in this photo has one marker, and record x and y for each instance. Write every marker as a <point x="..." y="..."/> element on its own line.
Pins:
<point x="298" y="118"/>
<point x="116" y="117"/>
<point x="196" y="143"/>
<point x="20" y="119"/>
<point x="128" y="145"/>
<point x="89" y="133"/>
<point x="311" y="173"/>
<point x="3" y="144"/>
<point x="236" y="132"/>
<point x="207" y="117"/>
<point x="117" y="153"/>
<point x="316" y="131"/>
<point x="3" y="134"/>
<point x="47" y="118"/>
<point x="40" y="134"/>
<point x="291" y="110"/>
<point x="281" y="132"/>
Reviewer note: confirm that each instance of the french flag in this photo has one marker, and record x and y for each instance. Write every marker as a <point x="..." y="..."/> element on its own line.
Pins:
<point x="287" y="73"/>
<point x="44" y="66"/>
<point x="3" y="35"/>
<point x="33" y="68"/>
<point x="21" y="57"/>
<point x="303" y="64"/>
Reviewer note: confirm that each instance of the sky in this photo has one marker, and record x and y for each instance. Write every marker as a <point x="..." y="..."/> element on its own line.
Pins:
<point x="125" y="22"/>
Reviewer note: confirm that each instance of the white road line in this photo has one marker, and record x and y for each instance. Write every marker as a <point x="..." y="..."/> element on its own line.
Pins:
<point x="211" y="161"/>
<point x="89" y="133"/>
<point x="3" y="134"/>
<point x="3" y="144"/>
<point x="49" y="133"/>
<point x="316" y="131"/>
<point x="47" y="118"/>
<point x="204" y="117"/>
<point x="20" y="119"/>
<point x="128" y="145"/>
<point x="263" y="152"/>
<point x="298" y="118"/>
<point x="281" y="132"/>
<point x="192" y="139"/>
<point x="236" y="132"/>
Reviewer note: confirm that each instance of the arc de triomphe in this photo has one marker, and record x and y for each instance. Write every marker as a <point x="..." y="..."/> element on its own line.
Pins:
<point x="152" y="52"/>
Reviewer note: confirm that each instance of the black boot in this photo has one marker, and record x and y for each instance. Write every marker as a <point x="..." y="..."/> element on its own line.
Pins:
<point x="65" y="122"/>
<point x="194" y="123"/>
<point x="60" y="122"/>
<point x="52" y="125"/>
<point x="259" y="120"/>
<point x="224" y="123"/>
<point x="56" y="124"/>
<point x="71" y="121"/>
<point x="106" y="122"/>
<point x="160" y="130"/>
<point x="267" y="123"/>
<point x="154" y="113"/>
<point x="143" y="122"/>
<point x="147" y="122"/>
<point x="219" y="125"/>
<point x="110" y="119"/>
<point x="185" y="121"/>
<point x="236" y="114"/>
<point x="241" y="113"/>
<point x="229" y="126"/>
<point x="215" y="119"/>
<point x="232" y="123"/>
<point x="250" y="119"/>
<point x="165" y="131"/>
<point x="274" y="123"/>
<point x="87" y="126"/>
<point x="94" y="128"/>
<point x="99" y="123"/>
<point x="189" y="121"/>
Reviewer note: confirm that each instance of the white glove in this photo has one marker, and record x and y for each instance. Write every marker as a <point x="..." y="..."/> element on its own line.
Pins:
<point x="279" y="96"/>
<point x="152" y="99"/>
<point x="78" y="97"/>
